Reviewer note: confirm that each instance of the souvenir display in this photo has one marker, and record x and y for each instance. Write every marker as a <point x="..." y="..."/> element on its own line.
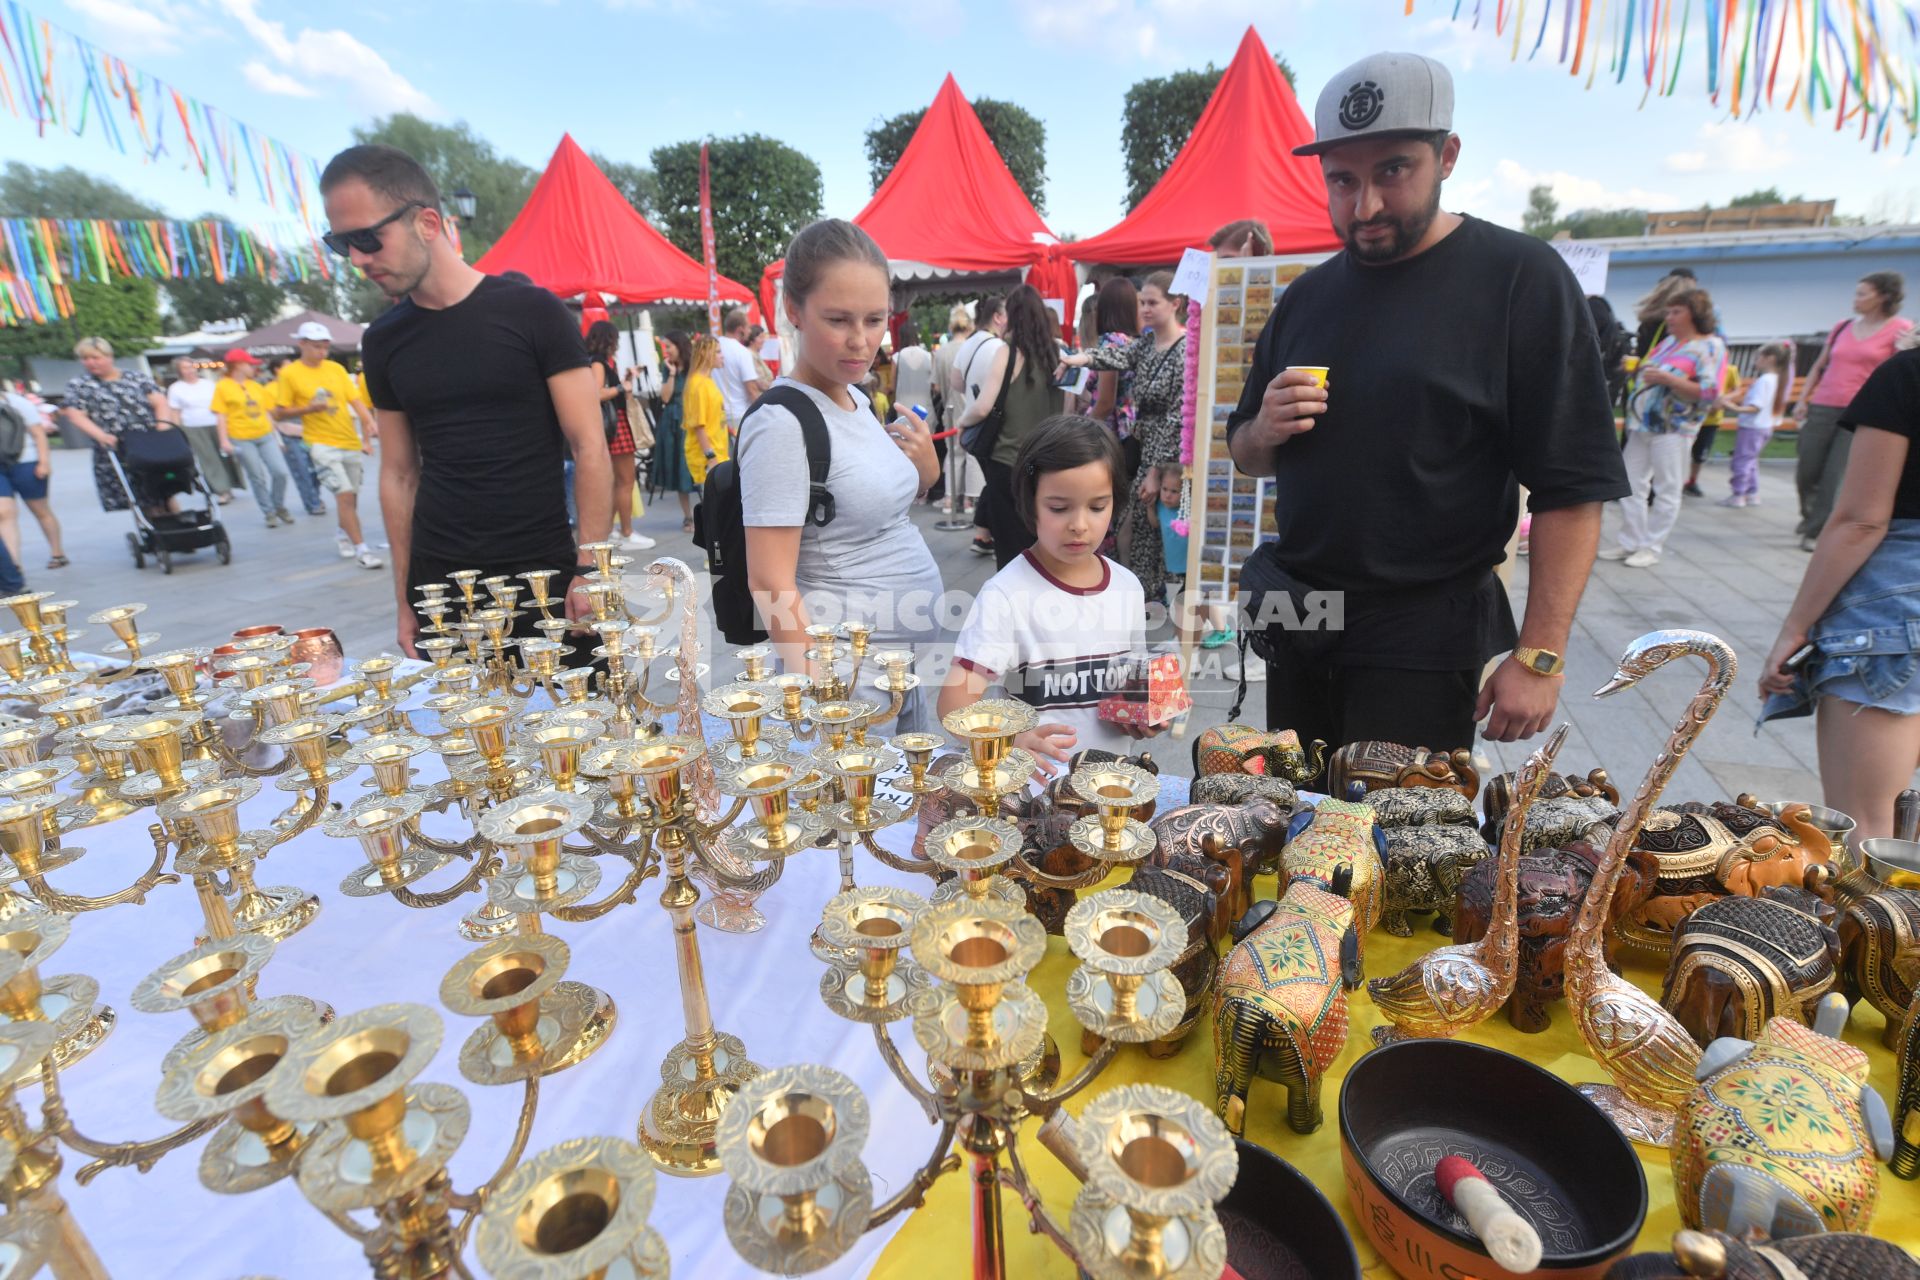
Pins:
<point x="1197" y="890"/>
<point x="1879" y="935"/>
<point x="1431" y="845"/>
<point x="1497" y="794"/>
<point x="1338" y="842"/>
<point x="1373" y="765"/>
<point x="1647" y="1052"/>
<point x="1553" y="884"/>
<point x="1238" y="788"/>
<point x="1420" y="807"/>
<point x="1905" y="1162"/>
<point x="1554" y="1159"/>
<point x="1783" y="1136"/>
<point x="1280" y="1004"/>
<point x="1739" y="963"/>
<point x="1239" y="748"/>
<point x="1705" y="1255"/>
<point x="1246" y="838"/>
<point x="1453" y="988"/>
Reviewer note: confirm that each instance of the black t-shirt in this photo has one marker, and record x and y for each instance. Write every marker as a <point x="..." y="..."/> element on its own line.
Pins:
<point x="472" y="380"/>
<point x="1890" y="401"/>
<point x="1450" y="374"/>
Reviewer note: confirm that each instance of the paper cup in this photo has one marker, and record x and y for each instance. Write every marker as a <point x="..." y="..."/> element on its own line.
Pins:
<point x="1319" y="372"/>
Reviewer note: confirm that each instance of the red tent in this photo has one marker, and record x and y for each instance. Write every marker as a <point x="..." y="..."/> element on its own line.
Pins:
<point x="1237" y="163"/>
<point x="951" y="206"/>
<point x="578" y="233"/>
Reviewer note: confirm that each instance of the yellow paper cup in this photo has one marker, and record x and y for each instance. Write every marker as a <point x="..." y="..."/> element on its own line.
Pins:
<point x="1319" y="372"/>
<point x="1630" y="363"/>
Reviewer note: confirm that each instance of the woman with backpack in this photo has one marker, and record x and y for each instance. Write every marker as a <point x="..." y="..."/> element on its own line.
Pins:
<point x="1016" y="395"/>
<point x="1856" y="347"/>
<point x="848" y="550"/>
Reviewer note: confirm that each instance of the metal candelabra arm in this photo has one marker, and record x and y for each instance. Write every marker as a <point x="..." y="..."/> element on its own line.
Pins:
<point x="418" y="839"/>
<point x="1038" y="1217"/>
<point x="911" y="866"/>
<point x="109" y="1155"/>
<point x="644" y="865"/>
<point x="703" y="831"/>
<point x="484" y="867"/>
<point x="1028" y="871"/>
<point x="216" y="742"/>
<point x="73" y="904"/>
<point x="890" y="1054"/>
<point x="1042" y="1104"/>
<point x="914" y="1194"/>
<point x="300" y="816"/>
<point x="476" y="1200"/>
<point x="757" y="880"/>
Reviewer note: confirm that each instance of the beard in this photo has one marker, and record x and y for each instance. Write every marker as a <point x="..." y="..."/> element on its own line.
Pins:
<point x="1407" y="232"/>
<point x="405" y="276"/>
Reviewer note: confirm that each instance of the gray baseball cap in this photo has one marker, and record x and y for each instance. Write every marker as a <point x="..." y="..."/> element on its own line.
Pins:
<point x="1380" y="95"/>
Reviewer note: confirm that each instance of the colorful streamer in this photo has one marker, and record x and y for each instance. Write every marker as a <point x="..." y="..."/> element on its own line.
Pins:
<point x="60" y="81"/>
<point x="40" y="257"/>
<point x="1858" y="59"/>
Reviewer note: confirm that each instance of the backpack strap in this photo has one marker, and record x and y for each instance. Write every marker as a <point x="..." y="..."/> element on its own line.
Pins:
<point x="813" y="431"/>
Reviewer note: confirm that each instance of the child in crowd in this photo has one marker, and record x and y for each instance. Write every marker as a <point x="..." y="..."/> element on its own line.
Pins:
<point x="1759" y="404"/>
<point x="1174" y="543"/>
<point x="1061" y="627"/>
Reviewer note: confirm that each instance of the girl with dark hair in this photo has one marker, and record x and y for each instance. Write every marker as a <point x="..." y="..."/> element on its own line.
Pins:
<point x="1018" y="390"/>
<point x="1060" y="627"/>
<point x="1159" y="368"/>
<point x="1117" y="320"/>
<point x="603" y="341"/>
<point x="869" y="563"/>
<point x="1856" y="347"/>
<point x="669" y="469"/>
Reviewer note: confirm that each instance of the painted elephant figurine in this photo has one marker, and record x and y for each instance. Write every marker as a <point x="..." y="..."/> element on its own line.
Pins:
<point x="1906" y="1129"/>
<point x="1391" y="764"/>
<point x="1425" y="868"/>
<point x="1280" y="1002"/>
<point x="1195" y="888"/>
<point x="1553" y="884"/>
<point x="1245" y="837"/>
<point x="1711" y="1255"/>
<point x="1335" y="837"/>
<point x="1420" y="807"/>
<point x="1240" y="748"/>
<point x="1738" y="963"/>
<point x="1782" y="1136"/>
<point x="1880" y="950"/>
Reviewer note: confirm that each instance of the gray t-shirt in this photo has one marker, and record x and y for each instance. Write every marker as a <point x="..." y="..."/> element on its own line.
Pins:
<point x="870" y="564"/>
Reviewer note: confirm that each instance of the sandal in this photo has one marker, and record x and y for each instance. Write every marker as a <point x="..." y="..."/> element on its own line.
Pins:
<point x="58" y="562"/>
<point x="686" y="526"/>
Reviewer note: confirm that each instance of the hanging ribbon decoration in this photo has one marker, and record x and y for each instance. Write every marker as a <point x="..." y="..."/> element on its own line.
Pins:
<point x="1858" y="59"/>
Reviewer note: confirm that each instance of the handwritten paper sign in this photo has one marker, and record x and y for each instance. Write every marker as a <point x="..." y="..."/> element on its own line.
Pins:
<point x="1588" y="262"/>
<point x="1194" y="275"/>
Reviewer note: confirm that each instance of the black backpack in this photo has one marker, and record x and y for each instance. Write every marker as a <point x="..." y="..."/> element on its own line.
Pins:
<point x="13" y="434"/>
<point x="719" y="526"/>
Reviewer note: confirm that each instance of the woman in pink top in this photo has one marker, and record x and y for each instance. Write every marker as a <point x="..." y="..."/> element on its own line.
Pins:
<point x="1854" y="349"/>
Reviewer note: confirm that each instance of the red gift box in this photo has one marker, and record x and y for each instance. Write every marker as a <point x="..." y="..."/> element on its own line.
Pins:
<point x="1150" y="699"/>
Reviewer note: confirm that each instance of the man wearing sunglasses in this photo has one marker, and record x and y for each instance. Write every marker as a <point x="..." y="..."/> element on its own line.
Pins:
<point x="475" y="381"/>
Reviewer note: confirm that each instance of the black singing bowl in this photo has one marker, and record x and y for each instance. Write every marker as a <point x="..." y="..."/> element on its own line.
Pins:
<point x="1558" y="1161"/>
<point x="1279" y="1226"/>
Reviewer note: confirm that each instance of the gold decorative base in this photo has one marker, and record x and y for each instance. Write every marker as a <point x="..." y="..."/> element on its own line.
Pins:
<point x="336" y="773"/>
<point x="755" y="1224"/>
<point x="986" y="791"/>
<point x="1644" y="1125"/>
<point x="366" y="880"/>
<point x="1136" y="840"/>
<point x="999" y="887"/>
<point x="797" y="835"/>
<point x="1019" y="1023"/>
<point x="487" y="922"/>
<point x="514" y="890"/>
<point x="276" y="911"/>
<point x="236" y="1160"/>
<point x="107" y="806"/>
<point x="49" y="861"/>
<point x="1159" y="1005"/>
<point x="575" y="1020"/>
<point x="142" y="788"/>
<point x="336" y="1170"/>
<point x="1191" y="1247"/>
<point x="843" y="989"/>
<point x="81" y="1025"/>
<point x="679" y="1122"/>
<point x="880" y="814"/>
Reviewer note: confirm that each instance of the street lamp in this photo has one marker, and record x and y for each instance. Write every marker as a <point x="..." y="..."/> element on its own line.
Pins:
<point x="464" y="203"/>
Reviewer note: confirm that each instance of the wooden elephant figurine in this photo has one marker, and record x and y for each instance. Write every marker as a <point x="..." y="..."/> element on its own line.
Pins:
<point x="1420" y="807"/>
<point x="1906" y="1108"/>
<point x="1391" y="764"/>
<point x="1238" y="788"/>
<point x="1280" y="1002"/>
<point x="1782" y="1136"/>
<point x="1706" y="851"/>
<point x="1738" y="963"/>
<point x="1712" y="1255"/>
<point x="1880" y="953"/>
<point x="1335" y="838"/>
<point x="1553" y="884"/>
<point x="1425" y="868"/>
<point x="1240" y="748"/>
<point x="1196" y="888"/>
<point x="1244" y="837"/>
<point x="1497" y="796"/>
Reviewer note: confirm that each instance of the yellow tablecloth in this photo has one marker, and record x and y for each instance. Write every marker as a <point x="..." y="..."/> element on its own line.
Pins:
<point x="934" y="1243"/>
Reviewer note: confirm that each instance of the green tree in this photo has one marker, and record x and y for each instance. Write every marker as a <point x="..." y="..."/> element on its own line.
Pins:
<point x="456" y="156"/>
<point x="1765" y="195"/>
<point x="634" y="181"/>
<point x="763" y="192"/>
<point x="198" y="302"/>
<point x="1159" y="115"/>
<point x="1543" y="212"/>
<point x="1592" y="224"/>
<point x="125" y="313"/>
<point x="28" y="191"/>
<point x="1016" y="133"/>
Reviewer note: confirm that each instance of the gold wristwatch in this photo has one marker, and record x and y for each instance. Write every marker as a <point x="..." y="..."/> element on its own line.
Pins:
<point x="1542" y="662"/>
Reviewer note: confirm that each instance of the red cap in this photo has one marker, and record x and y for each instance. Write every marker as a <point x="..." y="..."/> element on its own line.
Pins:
<point x="238" y="356"/>
<point x="1452" y="1170"/>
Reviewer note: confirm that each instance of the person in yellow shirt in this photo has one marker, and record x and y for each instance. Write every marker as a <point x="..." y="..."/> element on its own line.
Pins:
<point x="243" y="417"/>
<point x="705" y="415"/>
<point x="321" y="395"/>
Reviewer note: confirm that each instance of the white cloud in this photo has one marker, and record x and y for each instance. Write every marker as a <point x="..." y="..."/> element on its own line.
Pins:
<point x="331" y="58"/>
<point x="1162" y="33"/>
<point x="153" y="27"/>
<point x="1734" y="147"/>
<point x="1576" y="192"/>
<point x="267" y="80"/>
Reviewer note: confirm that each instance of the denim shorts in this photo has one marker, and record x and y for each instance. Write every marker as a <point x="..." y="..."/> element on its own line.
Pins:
<point x="1867" y="643"/>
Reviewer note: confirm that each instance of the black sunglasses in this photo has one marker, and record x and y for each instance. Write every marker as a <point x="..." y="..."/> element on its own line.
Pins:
<point x="365" y="239"/>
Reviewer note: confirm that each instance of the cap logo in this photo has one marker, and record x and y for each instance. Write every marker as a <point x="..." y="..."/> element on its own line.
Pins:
<point x="1362" y="105"/>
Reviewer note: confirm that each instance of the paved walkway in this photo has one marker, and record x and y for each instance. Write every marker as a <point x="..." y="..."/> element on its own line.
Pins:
<point x="1729" y="572"/>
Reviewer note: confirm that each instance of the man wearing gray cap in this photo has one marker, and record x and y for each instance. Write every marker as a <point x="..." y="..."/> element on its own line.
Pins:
<point x="1400" y="394"/>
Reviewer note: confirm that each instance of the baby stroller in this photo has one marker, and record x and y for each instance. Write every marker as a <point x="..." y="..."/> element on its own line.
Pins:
<point x="153" y="466"/>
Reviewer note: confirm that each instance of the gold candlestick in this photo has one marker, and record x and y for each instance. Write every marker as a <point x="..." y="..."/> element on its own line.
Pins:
<point x="791" y="1144"/>
<point x="1123" y="990"/>
<point x="230" y="1075"/>
<point x="872" y="926"/>
<point x="1156" y="1162"/>
<point x="539" y="1025"/>
<point x="576" y="1211"/>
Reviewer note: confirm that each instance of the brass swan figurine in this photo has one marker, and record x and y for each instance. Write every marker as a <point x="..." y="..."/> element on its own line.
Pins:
<point x="1453" y="989"/>
<point x="1643" y="1047"/>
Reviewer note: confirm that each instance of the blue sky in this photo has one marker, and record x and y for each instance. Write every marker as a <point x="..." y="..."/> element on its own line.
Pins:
<point x="627" y="75"/>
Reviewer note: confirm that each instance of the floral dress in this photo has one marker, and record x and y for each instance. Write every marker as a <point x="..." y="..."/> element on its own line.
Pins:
<point x="1122" y="417"/>
<point x="117" y="408"/>
<point x="1159" y="380"/>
